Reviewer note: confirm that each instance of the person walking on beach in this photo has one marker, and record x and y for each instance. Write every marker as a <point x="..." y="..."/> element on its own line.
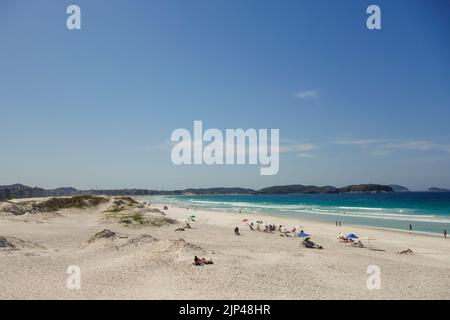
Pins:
<point x="445" y="233"/>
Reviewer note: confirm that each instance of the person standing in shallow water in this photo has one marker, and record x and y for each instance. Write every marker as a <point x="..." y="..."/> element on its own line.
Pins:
<point x="410" y="227"/>
<point x="445" y="233"/>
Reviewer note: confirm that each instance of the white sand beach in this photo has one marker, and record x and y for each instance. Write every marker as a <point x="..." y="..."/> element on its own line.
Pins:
<point x="150" y="260"/>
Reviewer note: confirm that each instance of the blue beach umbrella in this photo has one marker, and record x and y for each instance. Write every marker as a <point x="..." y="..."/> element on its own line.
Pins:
<point x="303" y="235"/>
<point x="352" y="236"/>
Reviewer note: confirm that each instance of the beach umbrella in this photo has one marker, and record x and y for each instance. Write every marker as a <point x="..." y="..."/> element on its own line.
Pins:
<point x="352" y="236"/>
<point x="245" y="220"/>
<point x="303" y="235"/>
<point x="299" y="227"/>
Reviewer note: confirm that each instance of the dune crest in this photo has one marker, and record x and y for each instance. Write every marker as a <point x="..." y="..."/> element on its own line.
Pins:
<point x="129" y="212"/>
<point x="13" y="243"/>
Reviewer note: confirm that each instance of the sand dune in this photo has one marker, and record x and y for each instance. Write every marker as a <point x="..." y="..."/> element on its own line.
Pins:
<point x="152" y="261"/>
<point x="12" y="243"/>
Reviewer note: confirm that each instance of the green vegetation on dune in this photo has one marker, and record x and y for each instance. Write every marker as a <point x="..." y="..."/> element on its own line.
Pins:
<point x="129" y="212"/>
<point x="123" y="203"/>
<point x="141" y="219"/>
<point x="77" y="202"/>
<point x="137" y="217"/>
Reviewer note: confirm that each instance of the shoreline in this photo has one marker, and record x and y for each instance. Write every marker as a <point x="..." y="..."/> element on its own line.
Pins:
<point x="275" y="216"/>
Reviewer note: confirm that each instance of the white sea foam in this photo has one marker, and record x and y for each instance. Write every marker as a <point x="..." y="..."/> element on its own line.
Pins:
<point x="381" y="216"/>
<point x="361" y="208"/>
<point x="392" y="214"/>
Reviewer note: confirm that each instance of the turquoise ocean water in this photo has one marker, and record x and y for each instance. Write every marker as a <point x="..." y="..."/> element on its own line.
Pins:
<point x="425" y="211"/>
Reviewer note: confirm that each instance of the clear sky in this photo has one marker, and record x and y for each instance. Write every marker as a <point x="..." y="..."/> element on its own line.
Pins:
<point x="96" y="107"/>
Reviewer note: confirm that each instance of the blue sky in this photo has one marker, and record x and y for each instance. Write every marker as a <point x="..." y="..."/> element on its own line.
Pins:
<point x="96" y="107"/>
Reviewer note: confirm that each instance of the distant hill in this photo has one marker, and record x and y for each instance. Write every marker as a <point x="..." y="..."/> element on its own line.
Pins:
<point x="366" y="188"/>
<point x="298" y="188"/>
<point x="63" y="191"/>
<point x="214" y="191"/>
<point x="434" y="189"/>
<point x="22" y="191"/>
<point x="398" y="188"/>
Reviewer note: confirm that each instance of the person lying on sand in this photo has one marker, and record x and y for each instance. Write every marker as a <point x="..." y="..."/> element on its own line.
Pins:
<point x="197" y="261"/>
<point x="202" y="261"/>
<point x="343" y="239"/>
<point x="187" y="226"/>
<point x="357" y="244"/>
<point x="307" y="243"/>
<point x="179" y="229"/>
<point x="407" y="251"/>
